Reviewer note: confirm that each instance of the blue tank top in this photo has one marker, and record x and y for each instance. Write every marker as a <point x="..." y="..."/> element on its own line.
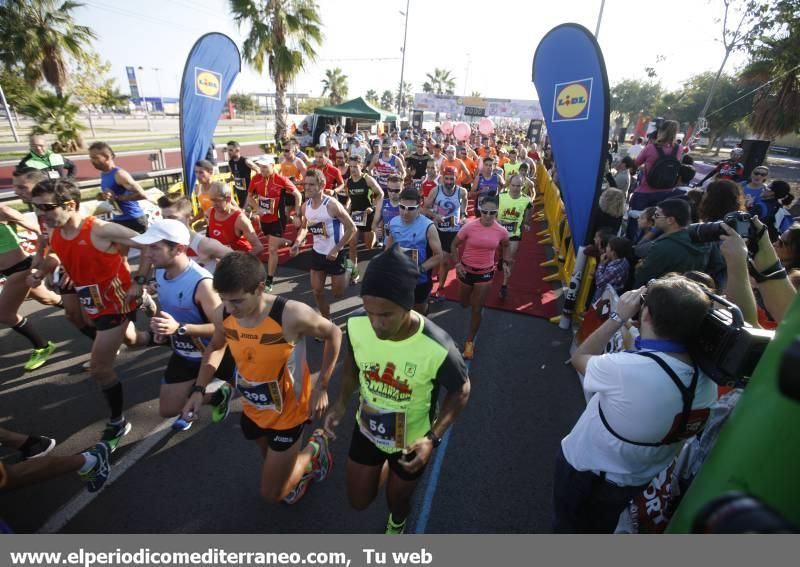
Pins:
<point x="449" y="208"/>
<point x="176" y="297"/>
<point x="129" y="209"/>
<point x="487" y="187"/>
<point x="413" y="239"/>
<point x="389" y="212"/>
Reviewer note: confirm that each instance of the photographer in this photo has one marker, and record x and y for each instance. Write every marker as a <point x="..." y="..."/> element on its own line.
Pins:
<point x="645" y="404"/>
<point x="674" y="250"/>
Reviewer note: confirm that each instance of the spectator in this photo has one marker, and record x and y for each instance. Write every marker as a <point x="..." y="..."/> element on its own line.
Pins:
<point x="647" y="225"/>
<point x="721" y="197"/>
<point x="685" y="177"/>
<point x="626" y="168"/>
<point x="787" y="247"/>
<point x="636" y="420"/>
<point x="773" y="210"/>
<point x="40" y="158"/>
<point x="755" y="187"/>
<point x="614" y="267"/>
<point x="611" y="209"/>
<point x="636" y="148"/>
<point x="598" y="246"/>
<point x="674" y="251"/>
<point x="731" y="168"/>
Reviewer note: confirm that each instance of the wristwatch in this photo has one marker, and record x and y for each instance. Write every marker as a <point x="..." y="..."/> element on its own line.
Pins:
<point x="141" y="280"/>
<point x="435" y="440"/>
<point x="198" y="388"/>
<point x="181" y="330"/>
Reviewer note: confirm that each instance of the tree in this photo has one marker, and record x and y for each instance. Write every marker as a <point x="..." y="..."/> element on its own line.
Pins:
<point x="774" y="66"/>
<point x="439" y="82"/>
<point x="38" y="36"/>
<point x="408" y="97"/>
<point x="475" y="94"/>
<point x="282" y="35"/>
<point x="56" y="115"/>
<point x="387" y="99"/>
<point x="16" y="89"/>
<point x="243" y="103"/>
<point x="630" y="97"/>
<point x="335" y="84"/>
<point x="372" y="97"/>
<point x="307" y="105"/>
<point x="90" y="85"/>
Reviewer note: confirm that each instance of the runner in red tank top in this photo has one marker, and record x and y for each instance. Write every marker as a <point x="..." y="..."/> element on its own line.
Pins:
<point x="90" y="251"/>
<point x="227" y="224"/>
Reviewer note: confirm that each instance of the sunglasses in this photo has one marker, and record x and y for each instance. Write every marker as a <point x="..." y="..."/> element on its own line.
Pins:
<point x="394" y="190"/>
<point x="488" y="212"/>
<point x="759" y="173"/>
<point x="49" y="206"/>
<point x="410" y="208"/>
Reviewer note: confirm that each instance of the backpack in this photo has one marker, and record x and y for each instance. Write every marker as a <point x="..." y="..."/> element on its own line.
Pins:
<point x="665" y="171"/>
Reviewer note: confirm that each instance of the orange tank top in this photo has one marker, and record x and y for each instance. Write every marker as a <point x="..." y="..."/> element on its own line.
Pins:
<point x="271" y="374"/>
<point x="101" y="278"/>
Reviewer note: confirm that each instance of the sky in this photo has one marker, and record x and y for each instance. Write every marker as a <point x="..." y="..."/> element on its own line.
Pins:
<point x="487" y="46"/>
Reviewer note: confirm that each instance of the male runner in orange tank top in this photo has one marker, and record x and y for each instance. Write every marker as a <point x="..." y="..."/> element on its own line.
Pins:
<point x="266" y="336"/>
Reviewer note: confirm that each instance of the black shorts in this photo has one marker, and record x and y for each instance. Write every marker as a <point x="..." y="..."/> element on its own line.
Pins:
<point x="514" y="238"/>
<point x="273" y="228"/>
<point x="446" y="238"/>
<point x="364" y="452"/>
<point x="320" y="263"/>
<point x="113" y="320"/>
<point x="139" y="224"/>
<point x="367" y="227"/>
<point x="22" y="266"/>
<point x="180" y="369"/>
<point x="278" y="439"/>
<point x="422" y="291"/>
<point x="471" y="279"/>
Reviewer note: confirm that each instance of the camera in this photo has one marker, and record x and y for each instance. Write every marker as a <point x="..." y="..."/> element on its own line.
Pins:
<point x="739" y="221"/>
<point x="728" y="349"/>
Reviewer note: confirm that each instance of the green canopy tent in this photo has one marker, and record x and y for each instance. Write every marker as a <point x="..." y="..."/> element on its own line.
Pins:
<point x="358" y="109"/>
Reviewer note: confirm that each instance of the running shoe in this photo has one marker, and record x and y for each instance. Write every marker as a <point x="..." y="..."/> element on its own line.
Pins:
<point x="222" y="409"/>
<point x="503" y="291"/>
<point x="181" y="424"/>
<point x="469" y="349"/>
<point x="97" y="476"/>
<point x="148" y="305"/>
<point x="322" y="462"/>
<point x="268" y="287"/>
<point x="39" y="356"/>
<point x="355" y="276"/>
<point x="393" y="528"/>
<point x="114" y="432"/>
<point x="40" y="448"/>
<point x="299" y="491"/>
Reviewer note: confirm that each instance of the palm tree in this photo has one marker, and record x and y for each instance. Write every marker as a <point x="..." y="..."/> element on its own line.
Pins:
<point x="335" y="84"/>
<point x="387" y="99"/>
<point x="408" y="97"/>
<point x="372" y="97"/>
<point x="439" y="82"/>
<point x="283" y="34"/>
<point x="58" y="116"/>
<point x="476" y="94"/>
<point x="38" y="35"/>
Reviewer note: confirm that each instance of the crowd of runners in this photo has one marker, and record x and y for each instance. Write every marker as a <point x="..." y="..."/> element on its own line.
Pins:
<point x="433" y="204"/>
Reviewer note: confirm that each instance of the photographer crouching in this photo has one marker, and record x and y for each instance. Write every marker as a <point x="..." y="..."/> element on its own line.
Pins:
<point x="646" y="403"/>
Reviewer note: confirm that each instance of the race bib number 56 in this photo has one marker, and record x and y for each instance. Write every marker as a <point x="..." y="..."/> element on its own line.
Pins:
<point x="385" y="428"/>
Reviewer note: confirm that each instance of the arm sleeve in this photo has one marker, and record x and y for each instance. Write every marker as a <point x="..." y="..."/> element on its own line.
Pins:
<point x="652" y="266"/>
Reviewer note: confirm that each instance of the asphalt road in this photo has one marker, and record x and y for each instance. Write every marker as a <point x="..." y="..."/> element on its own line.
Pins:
<point x="494" y="472"/>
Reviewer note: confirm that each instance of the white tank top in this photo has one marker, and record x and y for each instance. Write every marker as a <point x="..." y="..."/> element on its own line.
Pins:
<point x="326" y="230"/>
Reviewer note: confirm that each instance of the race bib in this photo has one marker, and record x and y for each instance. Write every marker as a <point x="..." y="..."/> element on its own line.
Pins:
<point x="510" y="226"/>
<point x="53" y="174"/>
<point x="90" y="298"/>
<point x="359" y="218"/>
<point x="318" y="229"/>
<point x="261" y="395"/>
<point x="238" y="182"/>
<point x="266" y="205"/>
<point x="447" y="222"/>
<point x="417" y="184"/>
<point x="412" y="253"/>
<point x="186" y="347"/>
<point x="385" y="428"/>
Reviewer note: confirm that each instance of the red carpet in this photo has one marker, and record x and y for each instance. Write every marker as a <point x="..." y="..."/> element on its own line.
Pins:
<point x="527" y="293"/>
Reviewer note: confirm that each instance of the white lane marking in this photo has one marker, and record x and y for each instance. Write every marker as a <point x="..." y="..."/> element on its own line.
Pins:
<point x="72" y="508"/>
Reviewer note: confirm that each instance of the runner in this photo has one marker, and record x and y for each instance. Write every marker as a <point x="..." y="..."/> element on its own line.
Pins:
<point x="333" y="178"/>
<point x="467" y="155"/>
<point x="397" y="359"/>
<point x="366" y="197"/>
<point x="266" y="337"/>
<point x="90" y="251"/>
<point x="202" y="249"/>
<point x="188" y="302"/>
<point x="291" y="166"/>
<point x="268" y="192"/>
<point x="463" y="176"/>
<point x="385" y="164"/>
<point x="228" y="224"/>
<point x="515" y="214"/>
<point x="418" y="238"/>
<point x="15" y="267"/>
<point x="474" y="250"/>
<point x="324" y="217"/>
<point x="447" y="207"/>
<point x="431" y="179"/>
<point x="488" y="183"/>
<point x="528" y="186"/>
<point x="437" y="155"/>
<point x="512" y="165"/>
<point x="204" y="173"/>
<point x="119" y="188"/>
<point x="417" y="162"/>
<point x="391" y="207"/>
<point x="241" y="170"/>
<point x="343" y="165"/>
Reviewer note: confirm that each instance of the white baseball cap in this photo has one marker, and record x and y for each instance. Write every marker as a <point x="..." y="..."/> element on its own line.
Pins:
<point x="264" y="160"/>
<point x="165" y="229"/>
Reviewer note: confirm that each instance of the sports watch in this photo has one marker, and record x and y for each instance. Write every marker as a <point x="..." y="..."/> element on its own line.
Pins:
<point x="181" y="330"/>
<point x="141" y="280"/>
<point x="435" y="440"/>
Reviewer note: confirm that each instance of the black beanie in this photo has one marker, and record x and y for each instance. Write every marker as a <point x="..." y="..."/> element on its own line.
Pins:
<point x="391" y="275"/>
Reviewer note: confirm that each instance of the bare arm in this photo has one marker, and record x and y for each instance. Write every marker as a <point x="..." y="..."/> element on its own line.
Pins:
<point x="213" y="248"/>
<point x="427" y="208"/>
<point x="377" y="199"/>
<point x="302" y="232"/>
<point x="212" y="357"/>
<point x="165" y="324"/>
<point x="346" y="390"/>
<point x="435" y="245"/>
<point x="13" y="216"/>
<point x="245" y="227"/>
<point x="336" y="210"/>
<point x="124" y="178"/>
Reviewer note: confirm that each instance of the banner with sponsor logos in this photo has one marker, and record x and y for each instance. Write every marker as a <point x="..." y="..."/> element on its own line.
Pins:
<point x="131" y="72"/>
<point x="570" y="76"/>
<point x="466" y="106"/>
<point x="212" y="66"/>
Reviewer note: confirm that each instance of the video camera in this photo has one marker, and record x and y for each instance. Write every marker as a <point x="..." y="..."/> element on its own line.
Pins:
<point x="727" y="348"/>
<point x="739" y="221"/>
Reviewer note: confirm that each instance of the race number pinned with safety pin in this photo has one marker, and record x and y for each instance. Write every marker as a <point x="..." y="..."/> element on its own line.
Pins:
<point x="359" y="218"/>
<point x="510" y="226"/>
<point x="382" y="427"/>
<point x="412" y="253"/>
<point x="261" y="395"/>
<point x="90" y="298"/>
<point x="266" y="205"/>
<point x="318" y="229"/>
<point x="447" y="222"/>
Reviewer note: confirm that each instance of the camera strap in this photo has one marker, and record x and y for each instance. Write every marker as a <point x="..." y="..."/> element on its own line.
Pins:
<point x="687" y="396"/>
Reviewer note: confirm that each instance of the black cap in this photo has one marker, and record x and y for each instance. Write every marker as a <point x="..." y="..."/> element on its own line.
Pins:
<point x="391" y="275"/>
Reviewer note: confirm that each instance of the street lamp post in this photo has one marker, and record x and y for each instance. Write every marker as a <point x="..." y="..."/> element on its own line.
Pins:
<point x="144" y="103"/>
<point x="599" y="19"/>
<point x="403" y="63"/>
<point x="158" y="82"/>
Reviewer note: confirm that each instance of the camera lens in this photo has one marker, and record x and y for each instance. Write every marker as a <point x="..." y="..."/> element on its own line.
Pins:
<point x="705" y="231"/>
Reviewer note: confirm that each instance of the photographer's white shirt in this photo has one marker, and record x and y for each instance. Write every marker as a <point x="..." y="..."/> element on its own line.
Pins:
<point x="640" y="402"/>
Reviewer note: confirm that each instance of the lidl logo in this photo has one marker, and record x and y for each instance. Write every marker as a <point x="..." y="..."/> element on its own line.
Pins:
<point x="572" y="100"/>
<point x="207" y="83"/>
